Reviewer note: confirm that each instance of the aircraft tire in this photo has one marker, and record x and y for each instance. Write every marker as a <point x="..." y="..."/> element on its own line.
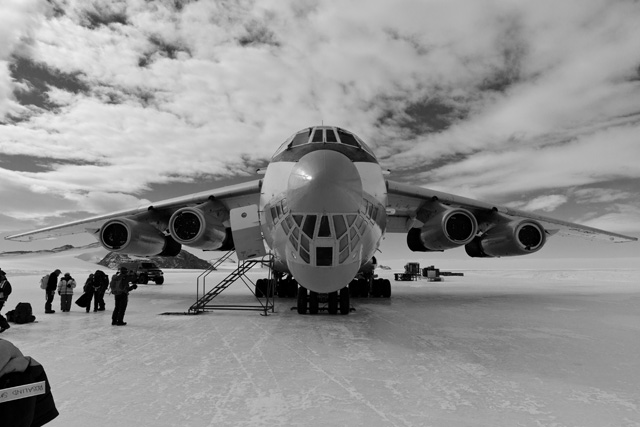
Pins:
<point x="344" y="301"/>
<point x="386" y="288"/>
<point x="260" y="292"/>
<point x="333" y="303"/>
<point x="375" y="288"/>
<point x="302" y="300"/>
<point x="313" y="303"/>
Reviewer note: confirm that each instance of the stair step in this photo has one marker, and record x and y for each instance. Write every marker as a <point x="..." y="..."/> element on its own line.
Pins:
<point x="242" y="268"/>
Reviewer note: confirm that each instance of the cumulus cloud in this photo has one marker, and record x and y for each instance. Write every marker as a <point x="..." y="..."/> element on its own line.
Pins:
<point x="531" y="104"/>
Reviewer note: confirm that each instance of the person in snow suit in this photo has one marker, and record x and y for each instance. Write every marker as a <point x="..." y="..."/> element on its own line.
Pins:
<point x="100" y="285"/>
<point x="5" y="290"/>
<point x="65" y="290"/>
<point x="120" y="289"/>
<point x="19" y="370"/>
<point x="89" y="290"/>
<point x="52" y="285"/>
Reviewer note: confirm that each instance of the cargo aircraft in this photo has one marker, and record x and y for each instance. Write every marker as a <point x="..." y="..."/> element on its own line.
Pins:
<point x="322" y="208"/>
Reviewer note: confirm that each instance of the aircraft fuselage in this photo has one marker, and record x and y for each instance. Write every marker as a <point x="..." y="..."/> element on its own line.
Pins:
<point x="323" y="205"/>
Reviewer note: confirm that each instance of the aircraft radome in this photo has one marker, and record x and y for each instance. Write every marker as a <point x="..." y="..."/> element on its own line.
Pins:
<point x="322" y="207"/>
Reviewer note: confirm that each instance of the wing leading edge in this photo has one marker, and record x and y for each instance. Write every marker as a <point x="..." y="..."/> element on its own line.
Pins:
<point x="405" y="201"/>
<point x="232" y="196"/>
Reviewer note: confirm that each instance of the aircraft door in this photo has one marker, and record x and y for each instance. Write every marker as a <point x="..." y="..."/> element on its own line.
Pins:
<point x="247" y="236"/>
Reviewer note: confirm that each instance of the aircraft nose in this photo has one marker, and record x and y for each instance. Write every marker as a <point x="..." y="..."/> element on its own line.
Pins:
<point x="324" y="181"/>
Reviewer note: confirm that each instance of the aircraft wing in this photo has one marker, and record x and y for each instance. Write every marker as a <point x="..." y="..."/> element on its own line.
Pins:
<point x="405" y="201"/>
<point x="232" y="196"/>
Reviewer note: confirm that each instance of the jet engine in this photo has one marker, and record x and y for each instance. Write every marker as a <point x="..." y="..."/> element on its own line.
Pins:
<point x="447" y="229"/>
<point x="201" y="227"/>
<point x="508" y="239"/>
<point x="136" y="238"/>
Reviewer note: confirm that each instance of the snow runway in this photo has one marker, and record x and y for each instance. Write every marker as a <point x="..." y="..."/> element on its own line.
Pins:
<point x="553" y="348"/>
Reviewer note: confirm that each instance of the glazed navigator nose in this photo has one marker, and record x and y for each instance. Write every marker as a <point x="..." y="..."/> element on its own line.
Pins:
<point x="324" y="181"/>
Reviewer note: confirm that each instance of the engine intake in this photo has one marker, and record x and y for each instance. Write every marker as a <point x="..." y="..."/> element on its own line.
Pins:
<point x="201" y="227"/>
<point x="447" y="229"/>
<point x="509" y="239"/>
<point x="133" y="237"/>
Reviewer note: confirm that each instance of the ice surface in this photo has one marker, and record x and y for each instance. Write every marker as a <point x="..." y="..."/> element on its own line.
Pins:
<point x="523" y="347"/>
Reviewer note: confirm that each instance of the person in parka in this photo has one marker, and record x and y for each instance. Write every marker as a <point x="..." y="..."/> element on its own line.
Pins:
<point x="100" y="285"/>
<point x="5" y="291"/>
<point x="52" y="285"/>
<point x="89" y="290"/>
<point x="65" y="290"/>
<point x="120" y="289"/>
<point x="19" y="370"/>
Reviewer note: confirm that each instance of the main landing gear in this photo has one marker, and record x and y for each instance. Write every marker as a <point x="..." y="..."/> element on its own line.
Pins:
<point x="285" y="286"/>
<point x="332" y="302"/>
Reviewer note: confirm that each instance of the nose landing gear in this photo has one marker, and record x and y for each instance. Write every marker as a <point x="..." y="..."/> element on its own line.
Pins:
<point x="332" y="302"/>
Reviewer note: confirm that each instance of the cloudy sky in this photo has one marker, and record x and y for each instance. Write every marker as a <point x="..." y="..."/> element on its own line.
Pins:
<point x="107" y="104"/>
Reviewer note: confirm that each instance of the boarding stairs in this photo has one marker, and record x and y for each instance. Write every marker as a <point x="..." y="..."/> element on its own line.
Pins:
<point x="204" y="297"/>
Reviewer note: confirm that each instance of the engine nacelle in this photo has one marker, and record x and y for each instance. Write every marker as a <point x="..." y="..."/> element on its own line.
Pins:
<point x="201" y="227"/>
<point x="447" y="229"/>
<point x="509" y="239"/>
<point x="133" y="237"/>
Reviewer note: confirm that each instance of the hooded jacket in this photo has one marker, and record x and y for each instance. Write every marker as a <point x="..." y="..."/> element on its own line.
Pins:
<point x="66" y="285"/>
<point x="16" y="370"/>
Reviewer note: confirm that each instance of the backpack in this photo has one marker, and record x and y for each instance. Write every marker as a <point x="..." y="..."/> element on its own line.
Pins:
<point x="44" y="281"/>
<point x="114" y="286"/>
<point x="23" y="313"/>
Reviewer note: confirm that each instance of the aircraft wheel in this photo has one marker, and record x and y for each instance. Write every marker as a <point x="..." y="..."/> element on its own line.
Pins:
<point x="313" y="303"/>
<point x="344" y="301"/>
<point x="270" y="287"/>
<point x="386" y="288"/>
<point x="375" y="288"/>
<point x="302" y="300"/>
<point x="333" y="303"/>
<point x="260" y="291"/>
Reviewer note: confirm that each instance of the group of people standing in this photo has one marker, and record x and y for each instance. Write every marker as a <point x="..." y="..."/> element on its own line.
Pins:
<point x="94" y="289"/>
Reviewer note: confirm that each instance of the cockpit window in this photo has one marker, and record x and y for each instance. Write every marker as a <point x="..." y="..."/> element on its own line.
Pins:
<point x="301" y="138"/>
<point x="317" y="136"/>
<point x="323" y="134"/>
<point x="309" y="225"/>
<point x="309" y="233"/>
<point x="325" y="230"/>
<point x="339" y="225"/>
<point x="347" y="138"/>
